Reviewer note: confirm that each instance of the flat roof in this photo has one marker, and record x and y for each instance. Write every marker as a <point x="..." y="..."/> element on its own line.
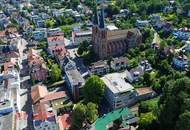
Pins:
<point x="105" y="120"/>
<point x="116" y="83"/>
<point x="74" y="76"/>
<point x="83" y="33"/>
<point x="111" y="27"/>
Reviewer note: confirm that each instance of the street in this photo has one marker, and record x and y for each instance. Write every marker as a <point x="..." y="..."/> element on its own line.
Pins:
<point x="25" y="86"/>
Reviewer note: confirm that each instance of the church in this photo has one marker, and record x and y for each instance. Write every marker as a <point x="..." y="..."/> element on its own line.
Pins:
<point x="109" y="41"/>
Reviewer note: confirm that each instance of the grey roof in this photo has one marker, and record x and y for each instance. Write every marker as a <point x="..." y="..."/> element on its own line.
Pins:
<point x="73" y="74"/>
<point x="120" y="59"/>
<point x="99" y="64"/>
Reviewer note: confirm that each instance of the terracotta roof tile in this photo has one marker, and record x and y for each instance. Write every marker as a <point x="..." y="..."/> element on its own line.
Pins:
<point x="54" y="96"/>
<point x="38" y="93"/>
<point x="65" y="121"/>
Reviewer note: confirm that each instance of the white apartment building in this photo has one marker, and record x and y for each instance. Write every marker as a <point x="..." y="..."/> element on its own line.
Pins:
<point x="79" y="37"/>
<point x="118" y="92"/>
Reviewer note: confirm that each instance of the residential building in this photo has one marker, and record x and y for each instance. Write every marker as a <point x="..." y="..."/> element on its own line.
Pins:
<point x="55" y="32"/>
<point x="124" y="115"/>
<point x="40" y="94"/>
<point x="46" y="106"/>
<point x="39" y="34"/>
<point x="81" y="36"/>
<point x="181" y="62"/>
<point x="21" y="121"/>
<point x="99" y="68"/>
<point x="38" y="69"/>
<point x="65" y="121"/>
<point x="55" y="40"/>
<point x="142" y="23"/>
<point x="145" y="93"/>
<point x="182" y="33"/>
<point x="44" y="117"/>
<point x="134" y="74"/>
<point x="118" y="92"/>
<point x="119" y="63"/>
<point x="59" y="52"/>
<point x="74" y="80"/>
<point x="110" y="41"/>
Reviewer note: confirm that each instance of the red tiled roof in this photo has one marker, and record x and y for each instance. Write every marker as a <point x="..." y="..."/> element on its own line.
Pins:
<point x="55" y="38"/>
<point x="54" y="96"/>
<point x="41" y="111"/>
<point x="38" y="93"/>
<point x="65" y="121"/>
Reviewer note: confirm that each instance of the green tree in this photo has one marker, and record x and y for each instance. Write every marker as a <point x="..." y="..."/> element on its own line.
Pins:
<point x="78" y="117"/>
<point x="147" y="121"/>
<point x="74" y="3"/>
<point x="91" y="112"/>
<point x="183" y="123"/>
<point x="83" y="47"/>
<point x="94" y="89"/>
<point x="147" y="79"/>
<point x="148" y="106"/>
<point x="50" y="23"/>
<point x="55" y="73"/>
<point x="174" y="102"/>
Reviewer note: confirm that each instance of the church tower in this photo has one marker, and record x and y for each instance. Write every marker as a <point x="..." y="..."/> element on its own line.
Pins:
<point x="99" y="32"/>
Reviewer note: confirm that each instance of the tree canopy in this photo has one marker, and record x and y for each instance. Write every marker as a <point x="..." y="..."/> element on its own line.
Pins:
<point x="94" y="89"/>
<point x="55" y="73"/>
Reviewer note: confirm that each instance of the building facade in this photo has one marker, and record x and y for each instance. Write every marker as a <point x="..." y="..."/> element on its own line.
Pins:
<point x="111" y="41"/>
<point x="118" y="92"/>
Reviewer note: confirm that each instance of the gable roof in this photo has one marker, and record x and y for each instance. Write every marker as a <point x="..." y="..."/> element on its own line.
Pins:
<point x="38" y="93"/>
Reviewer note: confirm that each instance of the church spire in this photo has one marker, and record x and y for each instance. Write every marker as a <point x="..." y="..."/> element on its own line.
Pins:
<point x="102" y="25"/>
<point x="95" y="13"/>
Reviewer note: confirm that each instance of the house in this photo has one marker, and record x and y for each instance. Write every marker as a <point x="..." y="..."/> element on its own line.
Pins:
<point x="81" y="36"/>
<point x="44" y="117"/>
<point x="22" y="21"/>
<point x="142" y="23"/>
<point x="118" y="92"/>
<point x="145" y="93"/>
<point x="44" y="16"/>
<point x="38" y="69"/>
<point x="123" y="115"/>
<point x="134" y="74"/>
<point x="38" y="21"/>
<point x="99" y="68"/>
<point x="74" y="80"/>
<point x="57" y="13"/>
<point x="55" y="32"/>
<point x="59" y="52"/>
<point x="55" y="40"/>
<point x="21" y="119"/>
<point x="181" y="62"/>
<point x="182" y="33"/>
<point x="57" y="100"/>
<point x="39" y="34"/>
<point x="119" y="63"/>
<point x="65" y="121"/>
<point x="168" y="9"/>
